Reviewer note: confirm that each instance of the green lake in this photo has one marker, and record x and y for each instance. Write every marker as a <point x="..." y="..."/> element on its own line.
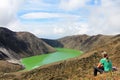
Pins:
<point x="39" y="60"/>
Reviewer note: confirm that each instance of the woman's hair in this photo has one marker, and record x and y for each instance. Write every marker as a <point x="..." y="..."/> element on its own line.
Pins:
<point x="105" y="55"/>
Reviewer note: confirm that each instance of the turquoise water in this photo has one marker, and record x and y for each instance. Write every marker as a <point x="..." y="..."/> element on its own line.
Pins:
<point x="60" y="54"/>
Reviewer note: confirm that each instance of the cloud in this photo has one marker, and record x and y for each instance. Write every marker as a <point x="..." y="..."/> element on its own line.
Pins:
<point x="72" y="4"/>
<point x="8" y="10"/>
<point x="104" y="19"/>
<point x="67" y="17"/>
<point x="38" y="5"/>
<point x="67" y="28"/>
<point x="81" y="29"/>
<point x="58" y="30"/>
<point x="42" y="15"/>
<point x="38" y="31"/>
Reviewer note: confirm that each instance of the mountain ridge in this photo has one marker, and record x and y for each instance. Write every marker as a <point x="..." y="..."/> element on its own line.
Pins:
<point x="80" y="42"/>
<point x="17" y="45"/>
<point x="22" y="42"/>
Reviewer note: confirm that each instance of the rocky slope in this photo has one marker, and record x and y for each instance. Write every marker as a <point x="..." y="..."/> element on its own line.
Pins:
<point x="21" y="44"/>
<point x="16" y="45"/>
<point x="80" y="42"/>
<point x="7" y="67"/>
<point x="53" y="43"/>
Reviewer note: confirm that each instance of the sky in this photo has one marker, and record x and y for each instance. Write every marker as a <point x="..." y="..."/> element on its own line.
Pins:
<point x="55" y="19"/>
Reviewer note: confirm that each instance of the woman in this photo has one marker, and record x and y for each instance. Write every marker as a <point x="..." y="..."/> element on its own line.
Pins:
<point x="105" y="65"/>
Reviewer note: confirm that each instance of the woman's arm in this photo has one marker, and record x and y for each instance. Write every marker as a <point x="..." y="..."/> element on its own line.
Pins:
<point x="99" y="65"/>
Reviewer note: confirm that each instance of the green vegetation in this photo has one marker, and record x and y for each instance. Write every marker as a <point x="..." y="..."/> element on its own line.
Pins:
<point x="60" y="54"/>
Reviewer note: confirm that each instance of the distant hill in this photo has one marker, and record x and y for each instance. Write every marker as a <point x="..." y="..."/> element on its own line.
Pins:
<point x="73" y="42"/>
<point x="53" y="43"/>
<point x="80" y="42"/>
<point x="16" y="45"/>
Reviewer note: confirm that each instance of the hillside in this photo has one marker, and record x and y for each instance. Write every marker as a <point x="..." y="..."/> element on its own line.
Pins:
<point x="16" y="45"/>
<point x="72" y="42"/>
<point x="80" y="42"/>
<point x="53" y="43"/>
<point x="79" y="68"/>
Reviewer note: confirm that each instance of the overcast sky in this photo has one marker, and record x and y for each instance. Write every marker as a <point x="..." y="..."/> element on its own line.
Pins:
<point x="58" y="18"/>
